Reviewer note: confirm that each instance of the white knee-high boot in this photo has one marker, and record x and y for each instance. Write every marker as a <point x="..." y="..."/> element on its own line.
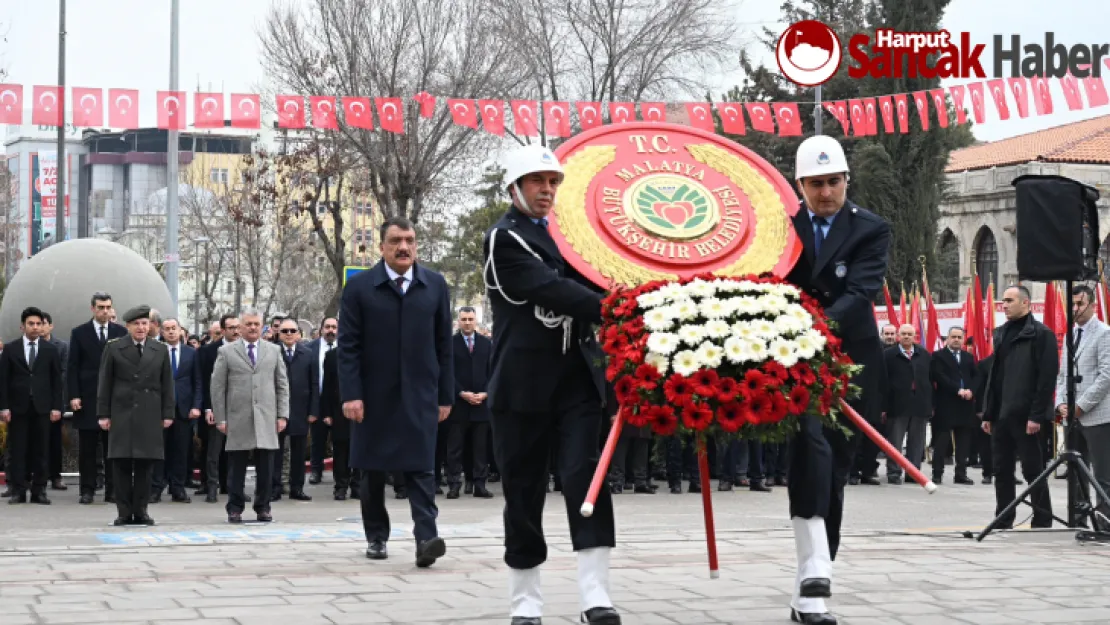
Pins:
<point x="812" y="545"/>
<point x="524" y="592"/>
<point x="593" y="578"/>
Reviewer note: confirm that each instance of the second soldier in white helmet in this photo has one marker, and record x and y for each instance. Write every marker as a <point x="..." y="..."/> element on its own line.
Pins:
<point x="546" y="391"/>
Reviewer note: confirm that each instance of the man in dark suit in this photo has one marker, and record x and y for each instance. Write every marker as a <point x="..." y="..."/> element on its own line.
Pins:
<point x="304" y="399"/>
<point x="57" y="433"/>
<point x="396" y="384"/>
<point x="319" y="430"/>
<point x="86" y="344"/>
<point x="954" y="374"/>
<point x="470" y="415"/>
<point x="546" y="391"/>
<point x="135" y="403"/>
<point x="907" y="399"/>
<point x="331" y="411"/>
<point x="214" y="470"/>
<point x="31" y="395"/>
<point x="842" y="267"/>
<point x="178" y="438"/>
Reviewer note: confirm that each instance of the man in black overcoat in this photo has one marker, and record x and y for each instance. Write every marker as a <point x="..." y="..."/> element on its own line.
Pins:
<point x="331" y="412"/>
<point x="396" y="384"/>
<point x="907" y="399"/>
<point x="86" y="344"/>
<point x="470" y="415"/>
<point x="546" y="391"/>
<point x="304" y="406"/>
<point x="955" y="376"/>
<point x="214" y="470"/>
<point x="842" y="267"/>
<point x="187" y="393"/>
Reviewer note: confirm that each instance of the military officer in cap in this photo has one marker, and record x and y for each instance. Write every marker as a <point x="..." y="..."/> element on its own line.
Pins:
<point x="134" y="404"/>
<point x="546" y="391"/>
<point x="842" y="267"/>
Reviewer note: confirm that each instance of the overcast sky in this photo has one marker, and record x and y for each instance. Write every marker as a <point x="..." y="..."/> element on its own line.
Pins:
<point x="125" y="43"/>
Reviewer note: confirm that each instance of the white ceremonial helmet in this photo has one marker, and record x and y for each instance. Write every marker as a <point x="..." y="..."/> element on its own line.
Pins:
<point x="819" y="155"/>
<point x="530" y="159"/>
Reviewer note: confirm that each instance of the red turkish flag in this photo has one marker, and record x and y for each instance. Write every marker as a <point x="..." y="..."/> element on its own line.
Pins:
<point x="290" y="110"/>
<point x="11" y="104"/>
<point x="493" y="116"/>
<point x="171" y="110"/>
<point x="760" y="115"/>
<point x="323" y="112"/>
<point x="1096" y="91"/>
<point x="732" y="118"/>
<point x="391" y="117"/>
<point x="208" y="110"/>
<point x="701" y="116"/>
<point x="525" y="118"/>
<point x="902" y="113"/>
<point x="921" y="100"/>
<point x="653" y="111"/>
<point x="998" y="94"/>
<point x="556" y="119"/>
<point x="427" y="103"/>
<point x="838" y="111"/>
<point x="978" y="104"/>
<point x="1042" y="95"/>
<point x="886" y="110"/>
<point x="622" y="112"/>
<point x="871" y="116"/>
<point x="1020" y="88"/>
<point x="958" y="92"/>
<point x="589" y="115"/>
<point x="940" y="105"/>
<point x="858" y="117"/>
<point x="123" y="108"/>
<point x="47" y="106"/>
<point x="246" y="110"/>
<point x="356" y="113"/>
<point x="88" y="107"/>
<point x="1070" y="85"/>
<point x="786" y="115"/>
<point x="463" y="112"/>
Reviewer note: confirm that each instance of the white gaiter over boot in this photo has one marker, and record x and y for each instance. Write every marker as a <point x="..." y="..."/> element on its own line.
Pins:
<point x="524" y="592"/>
<point x="593" y="578"/>
<point x="814" y="561"/>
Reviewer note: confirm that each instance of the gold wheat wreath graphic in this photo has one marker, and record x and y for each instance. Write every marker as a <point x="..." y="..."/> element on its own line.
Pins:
<point x="762" y="255"/>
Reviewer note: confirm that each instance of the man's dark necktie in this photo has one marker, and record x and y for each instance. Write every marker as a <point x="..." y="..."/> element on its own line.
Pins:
<point x="470" y="344"/>
<point x="400" y="281"/>
<point x="102" y="335"/>
<point x="288" y="356"/>
<point x="173" y="360"/>
<point x="1078" y="336"/>
<point x="139" y="346"/>
<point x="250" y="353"/>
<point x="818" y="234"/>
<point x="32" y="356"/>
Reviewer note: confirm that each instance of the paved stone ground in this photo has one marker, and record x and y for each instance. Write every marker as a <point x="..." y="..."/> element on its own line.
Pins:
<point x="904" y="561"/>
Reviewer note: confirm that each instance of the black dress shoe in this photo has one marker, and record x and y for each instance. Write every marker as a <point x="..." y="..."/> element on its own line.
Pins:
<point x="812" y="618"/>
<point x="58" y="484"/>
<point x="300" y="496"/>
<point x="340" y="495"/>
<point x="275" y="496"/>
<point x="987" y="479"/>
<point x="235" y="517"/>
<point x="181" y="498"/>
<point x="20" y="498"/>
<point x="155" y="498"/>
<point x="316" y="477"/>
<point x="469" y="488"/>
<point x="601" y="616"/>
<point x="676" y="489"/>
<point x="870" y="480"/>
<point x="211" y="497"/>
<point x="377" y="551"/>
<point x="963" y="479"/>
<point x="85" y="499"/>
<point x="527" y="620"/>
<point x="40" y="499"/>
<point x="816" y="587"/>
<point x="644" y="489"/>
<point x="494" y="478"/>
<point x="109" y="499"/>
<point x="853" y="481"/>
<point x="616" y="489"/>
<point x="780" y="481"/>
<point x="694" y="488"/>
<point x="142" y="519"/>
<point x="938" y="479"/>
<point x="264" y="517"/>
<point x="400" y="495"/>
<point x="439" y="490"/>
<point x="481" y="492"/>
<point x="120" y="521"/>
<point x="453" y="492"/>
<point x="759" y="487"/>
<point x="429" y="551"/>
<point x="724" y="486"/>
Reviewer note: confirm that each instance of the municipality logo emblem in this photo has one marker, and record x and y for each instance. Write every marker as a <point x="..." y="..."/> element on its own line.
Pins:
<point x="674" y="207"/>
<point x="822" y="159"/>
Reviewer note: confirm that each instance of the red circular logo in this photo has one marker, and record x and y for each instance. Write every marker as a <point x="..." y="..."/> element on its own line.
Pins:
<point x="808" y="53"/>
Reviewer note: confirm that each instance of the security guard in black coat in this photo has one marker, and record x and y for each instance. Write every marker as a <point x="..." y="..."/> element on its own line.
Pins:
<point x="546" y="389"/>
<point x="842" y="267"/>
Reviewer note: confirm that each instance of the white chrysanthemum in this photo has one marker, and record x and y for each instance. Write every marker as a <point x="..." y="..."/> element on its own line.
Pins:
<point x="817" y="338"/>
<point x="651" y="300"/>
<point x="785" y="352"/>
<point x="799" y="313"/>
<point x="671" y="291"/>
<point x="773" y="303"/>
<point x="662" y="342"/>
<point x="659" y="361"/>
<point x="684" y="309"/>
<point x="807" y="347"/>
<point x="744" y="330"/>
<point x="746" y="305"/>
<point x="713" y="308"/>
<point x="691" y="334"/>
<point x="764" y="328"/>
<point x="736" y="350"/>
<point x="717" y="328"/>
<point x="710" y="354"/>
<point x="757" y="349"/>
<point x="685" y="362"/>
<point x="785" y="324"/>
<point x="659" y="319"/>
<point x="747" y="286"/>
<point x="700" y="288"/>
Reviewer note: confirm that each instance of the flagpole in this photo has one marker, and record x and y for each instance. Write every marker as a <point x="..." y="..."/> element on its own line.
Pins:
<point x="60" y="162"/>
<point x="171" y="258"/>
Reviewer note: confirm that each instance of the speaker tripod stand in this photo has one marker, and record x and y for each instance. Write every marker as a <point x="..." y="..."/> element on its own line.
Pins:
<point x="1080" y="508"/>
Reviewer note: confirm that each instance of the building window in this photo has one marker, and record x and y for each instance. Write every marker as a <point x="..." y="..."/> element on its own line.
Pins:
<point x="986" y="260"/>
<point x="218" y="175"/>
<point x="230" y="286"/>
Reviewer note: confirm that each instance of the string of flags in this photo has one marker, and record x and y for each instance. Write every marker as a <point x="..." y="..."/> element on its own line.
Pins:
<point x="857" y="116"/>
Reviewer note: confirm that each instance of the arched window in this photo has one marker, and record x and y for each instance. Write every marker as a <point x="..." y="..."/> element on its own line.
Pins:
<point x="986" y="260"/>
<point x="945" y="285"/>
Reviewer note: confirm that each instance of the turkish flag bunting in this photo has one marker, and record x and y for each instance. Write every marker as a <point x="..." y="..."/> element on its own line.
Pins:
<point x="290" y="111"/>
<point x="1096" y="91"/>
<point x="870" y="116"/>
<point x="88" y="107"/>
<point x="356" y="113"/>
<point x="786" y="115"/>
<point x="589" y="115"/>
<point x="886" y="109"/>
<point x="323" y="112"/>
<point x="732" y="118"/>
<point x="123" y="108"/>
<point x="622" y="112"/>
<point x="1020" y="88"/>
<point x="525" y="118"/>
<point x="390" y="115"/>
<point x="427" y="103"/>
<point x="11" y="104"/>
<point x="998" y="94"/>
<point x="47" y="106"/>
<point x="839" y="111"/>
<point x="958" y="92"/>
<point x="760" y="115"/>
<point x="1070" y="85"/>
<point x="493" y="116"/>
<point x="1042" y="95"/>
<point x="921" y="100"/>
<point x="941" y="105"/>
<point x="208" y="110"/>
<point x="701" y="116"/>
<point x="246" y="110"/>
<point x="556" y="119"/>
<point x="858" y="117"/>
<point x="902" y="113"/>
<point x="978" y="104"/>
<point x="171" y="110"/>
<point x="463" y="112"/>
<point x="653" y="111"/>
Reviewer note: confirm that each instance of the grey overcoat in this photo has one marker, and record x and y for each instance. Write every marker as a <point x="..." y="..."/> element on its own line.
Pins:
<point x="250" y="399"/>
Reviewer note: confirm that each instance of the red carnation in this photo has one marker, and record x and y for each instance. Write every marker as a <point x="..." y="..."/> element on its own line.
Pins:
<point x="825" y="401"/>
<point x="754" y="381"/>
<point x="803" y="374"/>
<point x="627" y="390"/>
<point x="760" y="407"/>
<point x="776" y="370"/>
<point x="663" y="420"/>
<point x="799" y="400"/>
<point x="731" y="416"/>
<point x="678" y="390"/>
<point x="613" y="370"/>
<point x="697" y="417"/>
<point x="705" y="382"/>
<point x="779" y="407"/>
<point x="648" y="376"/>
<point x="635" y="327"/>
<point x="727" y="390"/>
<point x="844" y="382"/>
<point x="636" y="419"/>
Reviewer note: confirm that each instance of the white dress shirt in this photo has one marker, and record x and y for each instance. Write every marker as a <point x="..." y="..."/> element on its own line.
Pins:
<point x="27" y="347"/>
<point x="393" y="275"/>
<point x="324" y="349"/>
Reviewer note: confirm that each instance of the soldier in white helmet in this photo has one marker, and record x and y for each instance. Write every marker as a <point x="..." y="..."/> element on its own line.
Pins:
<point x="546" y="390"/>
<point x="842" y="267"/>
